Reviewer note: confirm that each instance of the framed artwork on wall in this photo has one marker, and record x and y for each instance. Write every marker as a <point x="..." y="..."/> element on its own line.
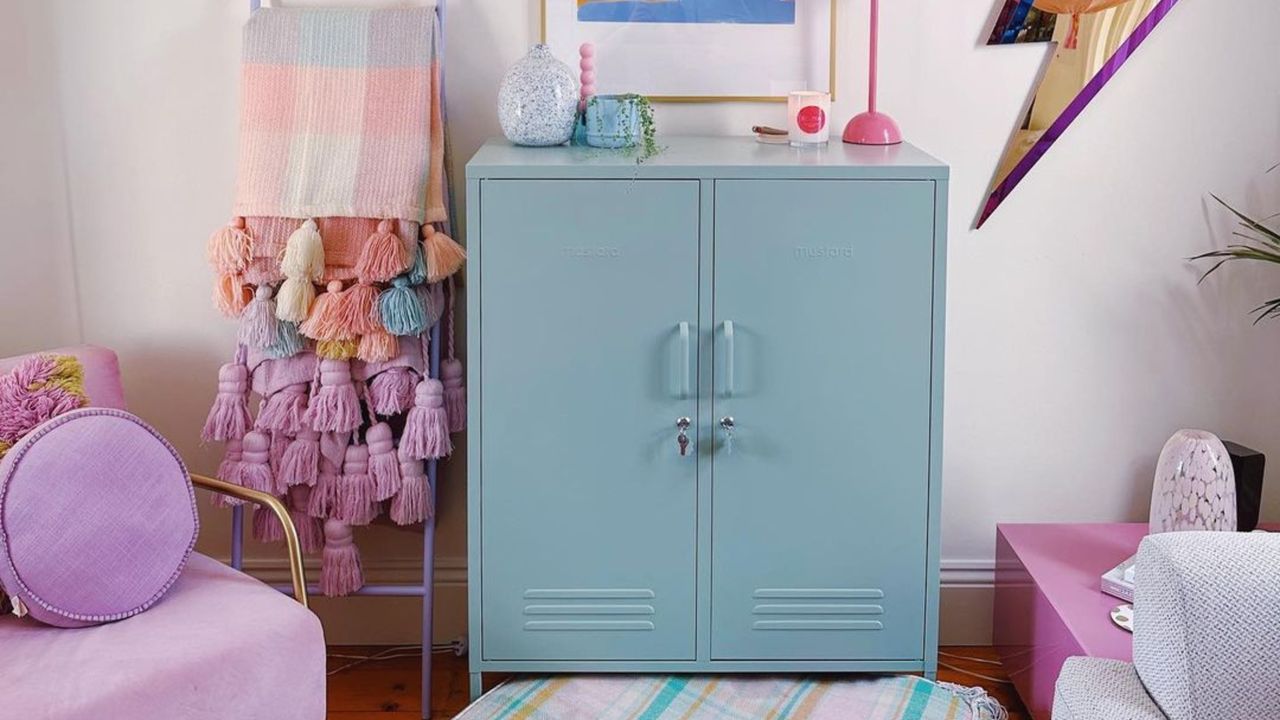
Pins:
<point x="1092" y="39"/>
<point x="700" y="50"/>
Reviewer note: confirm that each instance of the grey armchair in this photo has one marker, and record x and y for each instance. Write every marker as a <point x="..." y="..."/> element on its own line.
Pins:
<point x="1206" y="641"/>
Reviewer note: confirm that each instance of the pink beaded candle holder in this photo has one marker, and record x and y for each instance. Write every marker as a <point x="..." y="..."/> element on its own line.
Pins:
<point x="587" y="80"/>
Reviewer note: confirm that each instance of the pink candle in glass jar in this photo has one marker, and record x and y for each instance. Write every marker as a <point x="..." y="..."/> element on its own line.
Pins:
<point x="808" y="118"/>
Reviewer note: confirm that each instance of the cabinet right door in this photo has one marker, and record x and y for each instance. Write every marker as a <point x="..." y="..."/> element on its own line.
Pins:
<point x="823" y="311"/>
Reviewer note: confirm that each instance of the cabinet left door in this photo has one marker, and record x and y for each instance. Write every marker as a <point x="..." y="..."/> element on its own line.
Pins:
<point x="588" y="344"/>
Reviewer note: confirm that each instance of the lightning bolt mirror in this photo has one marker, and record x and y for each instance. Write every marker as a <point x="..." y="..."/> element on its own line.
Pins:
<point x="1094" y="38"/>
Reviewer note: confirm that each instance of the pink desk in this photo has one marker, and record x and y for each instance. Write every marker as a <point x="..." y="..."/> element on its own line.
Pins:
<point x="1047" y="603"/>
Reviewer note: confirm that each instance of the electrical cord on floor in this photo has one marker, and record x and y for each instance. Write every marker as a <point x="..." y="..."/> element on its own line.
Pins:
<point x="956" y="656"/>
<point x="970" y="673"/>
<point x="457" y="647"/>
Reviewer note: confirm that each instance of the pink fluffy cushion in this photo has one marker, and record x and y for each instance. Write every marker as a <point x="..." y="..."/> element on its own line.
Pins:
<point x="97" y="518"/>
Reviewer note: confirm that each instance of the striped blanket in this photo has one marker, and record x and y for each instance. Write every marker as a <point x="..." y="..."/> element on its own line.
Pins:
<point x="682" y="697"/>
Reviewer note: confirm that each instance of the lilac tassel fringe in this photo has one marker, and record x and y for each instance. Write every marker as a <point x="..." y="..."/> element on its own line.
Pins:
<point x="323" y="495"/>
<point x="340" y="572"/>
<point x="391" y="392"/>
<point x="279" y="444"/>
<point x="266" y="526"/>
<point x="301" y="462"/>
<point x="255" y="471"/>
<point x="335" y="409"/>
<point x="229" y="417"/>
<point x="229" y="471"/>
<point x="310" y="531"/>
<point x="256" y="476"/>
<point x="284" y="411"/>
<point x="258" y="326"/>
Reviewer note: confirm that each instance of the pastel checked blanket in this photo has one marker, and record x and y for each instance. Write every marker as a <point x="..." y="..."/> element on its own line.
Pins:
<point x="341" y="162"/>
<point x="335" y="266"/>
<point x="336" y="115"/>
<point x="682" y="697"/>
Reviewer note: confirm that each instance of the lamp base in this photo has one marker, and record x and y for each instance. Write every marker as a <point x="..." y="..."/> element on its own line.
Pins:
<point x="872" y="128"/>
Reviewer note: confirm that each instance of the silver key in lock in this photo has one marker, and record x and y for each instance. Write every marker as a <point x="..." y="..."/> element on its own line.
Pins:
<point x="728" y="425"/>
<point x="682" y="437"/>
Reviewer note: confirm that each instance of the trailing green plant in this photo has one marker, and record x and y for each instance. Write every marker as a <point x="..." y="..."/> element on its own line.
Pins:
<point x="648" y="130"/>
<point x="1259" y="243"/>
<point x="647" y="144"/>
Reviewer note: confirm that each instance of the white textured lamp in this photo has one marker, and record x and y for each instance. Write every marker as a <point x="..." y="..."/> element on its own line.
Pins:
<point x="1195" y="487"/>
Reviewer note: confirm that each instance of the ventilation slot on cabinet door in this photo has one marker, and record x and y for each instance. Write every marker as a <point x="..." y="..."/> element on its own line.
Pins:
<point x="817" y="609"/>
<point x="589" y="609"/>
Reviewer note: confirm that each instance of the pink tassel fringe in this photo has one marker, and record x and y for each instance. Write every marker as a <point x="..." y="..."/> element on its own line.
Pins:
<point x="384" y="466"/>
<point x="359" y="310"/>
<point x="323" y="495"/>
<point x="384" y="256"/>
<point x="355" y="489"/>
<point x="413" y="503"/>
<point x="230" y="248"/>
<point x="455" y="394"/>
<point x="378" y="346"/>
<point x="326" y="319"/>
<point x="426" y="431"/>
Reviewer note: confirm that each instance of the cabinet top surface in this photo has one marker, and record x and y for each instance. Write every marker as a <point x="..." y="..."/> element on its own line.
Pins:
<point x="695" y="157"/>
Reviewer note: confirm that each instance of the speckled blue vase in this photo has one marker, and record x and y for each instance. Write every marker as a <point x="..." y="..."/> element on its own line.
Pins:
<point x="538" y="100"/>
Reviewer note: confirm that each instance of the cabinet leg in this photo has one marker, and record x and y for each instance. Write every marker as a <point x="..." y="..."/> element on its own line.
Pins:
<point x="477" y="685"/>
<point x="931" y="675"/>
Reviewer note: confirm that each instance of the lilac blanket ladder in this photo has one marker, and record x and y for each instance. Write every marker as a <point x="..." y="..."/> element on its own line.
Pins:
<point x="428" y="556"/>
<point x="428" y="528"/>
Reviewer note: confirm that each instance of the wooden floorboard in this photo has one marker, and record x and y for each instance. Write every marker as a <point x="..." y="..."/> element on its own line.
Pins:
<point x="391" y="689"/>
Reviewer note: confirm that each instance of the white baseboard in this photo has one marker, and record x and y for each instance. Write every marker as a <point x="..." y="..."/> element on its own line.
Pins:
<point x="965" y="613"/>
<point x="449" y="572"/>
<point x="968" y="573"/>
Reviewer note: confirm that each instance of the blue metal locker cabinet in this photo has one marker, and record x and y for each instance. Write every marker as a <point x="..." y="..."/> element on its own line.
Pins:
<point x="706" y="418"/>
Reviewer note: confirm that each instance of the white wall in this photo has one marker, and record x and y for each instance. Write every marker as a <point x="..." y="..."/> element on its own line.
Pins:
<point x="1077" y="338"/>
<point x="37" y="286"/>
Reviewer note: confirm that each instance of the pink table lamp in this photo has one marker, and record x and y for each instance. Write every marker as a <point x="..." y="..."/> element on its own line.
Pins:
<point x="873" y="127"/>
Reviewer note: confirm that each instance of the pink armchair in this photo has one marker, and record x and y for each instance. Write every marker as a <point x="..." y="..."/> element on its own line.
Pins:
<point x="219" y="645"/>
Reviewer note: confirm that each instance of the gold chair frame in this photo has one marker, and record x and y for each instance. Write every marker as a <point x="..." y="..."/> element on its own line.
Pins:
<point x="293" y="547"/>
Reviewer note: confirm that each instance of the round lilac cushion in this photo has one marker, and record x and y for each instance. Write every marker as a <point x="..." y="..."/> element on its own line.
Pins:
<point x="97" y="518"/>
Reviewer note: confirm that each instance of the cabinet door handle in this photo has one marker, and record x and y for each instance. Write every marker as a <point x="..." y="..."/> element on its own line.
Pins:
<point x="686" y="382"/>
<point x="728" y="358"/>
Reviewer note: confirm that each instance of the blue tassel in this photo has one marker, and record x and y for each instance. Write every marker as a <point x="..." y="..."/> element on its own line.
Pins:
<point x="417" y="272"/>
<point x="401" y="309"/>
<point x="288" y="341"/>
